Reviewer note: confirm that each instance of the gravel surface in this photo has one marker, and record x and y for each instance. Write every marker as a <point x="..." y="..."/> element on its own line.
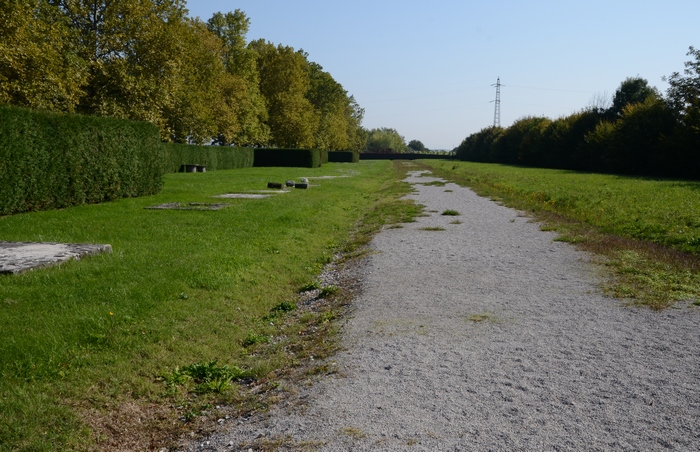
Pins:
<point x="488" y="335"/>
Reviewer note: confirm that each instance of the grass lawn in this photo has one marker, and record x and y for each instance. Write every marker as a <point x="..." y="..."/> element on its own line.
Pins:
<point x="136" y="344"/>
<point x="648" y="229"/>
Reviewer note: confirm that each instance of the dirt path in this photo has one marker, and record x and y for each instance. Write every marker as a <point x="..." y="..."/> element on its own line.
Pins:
<point x="488" y="335"/>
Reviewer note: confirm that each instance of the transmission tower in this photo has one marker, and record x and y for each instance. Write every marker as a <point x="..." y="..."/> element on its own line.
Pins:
<point x="497" y="109"/>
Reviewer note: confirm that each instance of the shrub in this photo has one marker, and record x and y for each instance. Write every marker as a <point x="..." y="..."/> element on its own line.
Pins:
<point x="52" y="160"/>
<point x="307" y="158"/>
<point x="344" y="156"/>
<point x="213" y="157"/>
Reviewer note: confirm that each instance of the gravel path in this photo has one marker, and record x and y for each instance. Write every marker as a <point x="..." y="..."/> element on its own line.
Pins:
<point x="491" y="336"/>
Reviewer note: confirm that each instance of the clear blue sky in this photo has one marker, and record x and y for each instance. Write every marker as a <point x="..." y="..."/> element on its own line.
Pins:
<point x="425" y="68"/>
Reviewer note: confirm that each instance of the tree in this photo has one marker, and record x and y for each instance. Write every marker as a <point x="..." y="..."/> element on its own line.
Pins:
<point x="417" y="146"/>
<point x="633" y="90"/>
<point x="198" y="111"/>
<point x="357" y="135"/>
<point x="683" y="96"/>
<point x="133" y="51"/>
<point x="39" y="63"/>
<point x="385" y="140"/>
<point x="330" y="101"/>
<point x="684" y="90"/>
<point x="284" y="82"/>
<point x="242" y="90"/>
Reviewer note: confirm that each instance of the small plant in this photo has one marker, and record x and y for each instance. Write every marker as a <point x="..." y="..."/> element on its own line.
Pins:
<point x="255" y="338"/>
<point x="484" y="317"/>
<point x="432" y="228"/>
<point x="449" y="191"/>
<point x="279" y="310"/>
<point x="207" y="372"/>
<point x="207" y="377"/>
<point x="313" y="285"/>
<point x="455" y="222"/>
<point x="285" y="306"/>
<point x="178" y="377"/>
<point x="450" y="212"/>
<point x="353" y="432"/>
<point x="329" y="291"/>
<point x="328" y="316"/>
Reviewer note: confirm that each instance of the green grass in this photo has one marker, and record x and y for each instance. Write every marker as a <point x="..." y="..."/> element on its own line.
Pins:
<point x="90" y="345"/>
<point x="648" y="229"/>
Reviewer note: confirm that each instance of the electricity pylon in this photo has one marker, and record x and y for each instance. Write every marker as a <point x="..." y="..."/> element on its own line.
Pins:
<point x="497" y="109"/>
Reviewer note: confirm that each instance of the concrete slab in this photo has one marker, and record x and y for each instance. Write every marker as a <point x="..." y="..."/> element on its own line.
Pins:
<point x="243" y="196"/>
<point x="189" y="206"/>
<point x="16" y="257"/>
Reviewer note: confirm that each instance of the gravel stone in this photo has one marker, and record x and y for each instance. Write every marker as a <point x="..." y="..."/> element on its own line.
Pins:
<point x="489" y="335"/>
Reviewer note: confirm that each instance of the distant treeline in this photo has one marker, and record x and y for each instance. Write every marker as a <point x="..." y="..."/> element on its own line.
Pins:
<point x="641" y="133"/>
<point x="198" y="82"/>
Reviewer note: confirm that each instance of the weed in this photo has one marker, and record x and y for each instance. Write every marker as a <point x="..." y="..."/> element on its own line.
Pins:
<point x="207" y="372"/>
<point x="310" y="286"/>
<point x="255" y="338"/>
<point x="327" y="317"/>
<point x="328" y="291"/>
<point x="352" y="432"/>
<point x="432" y="228"/>
<point x="455" y="222"/>
<point x="285" y="306"/>
<point x="449" y="191"/>
<point x="483" y="317"/>
<point x="279" y="310"/>
<point x="435" y="183"/>
<point x="450" y="212"/>
<point x="176" y="377"/>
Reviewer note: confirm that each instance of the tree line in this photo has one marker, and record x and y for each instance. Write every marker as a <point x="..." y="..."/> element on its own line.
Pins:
<point x="641" y="132"/>
<point x="198" y="82"/>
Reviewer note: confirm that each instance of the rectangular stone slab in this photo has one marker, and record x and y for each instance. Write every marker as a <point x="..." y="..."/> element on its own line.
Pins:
<point x="16" y="257"/>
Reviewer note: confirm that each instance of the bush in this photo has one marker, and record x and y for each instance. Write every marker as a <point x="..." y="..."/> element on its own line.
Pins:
<point x="344" y="156"/>
<point x="213" y="157"/>
<point x="306" y="158"/>
<point x="51" y="160"/>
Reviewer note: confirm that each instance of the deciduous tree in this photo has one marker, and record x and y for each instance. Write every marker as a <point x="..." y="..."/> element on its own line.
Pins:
<point x="242" y="90"/>
<point x="284" y="81"/>
<point x="385" y="140"/>
<point x="417" y="145"/>
<point x="39" y="63"/>
<point x="632" y="91"/>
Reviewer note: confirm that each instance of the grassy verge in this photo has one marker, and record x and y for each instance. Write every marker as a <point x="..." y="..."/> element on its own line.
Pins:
<point x="647" y="229"/>
<point x="192" y="309"/>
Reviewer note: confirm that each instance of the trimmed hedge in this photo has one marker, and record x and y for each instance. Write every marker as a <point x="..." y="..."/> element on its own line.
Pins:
<point x="213" y="157"/>
<point x="400" y="156"/>
<point x="344" y="156"/>
<point x="306" y="158"/>
<point x="51" y="160"/>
